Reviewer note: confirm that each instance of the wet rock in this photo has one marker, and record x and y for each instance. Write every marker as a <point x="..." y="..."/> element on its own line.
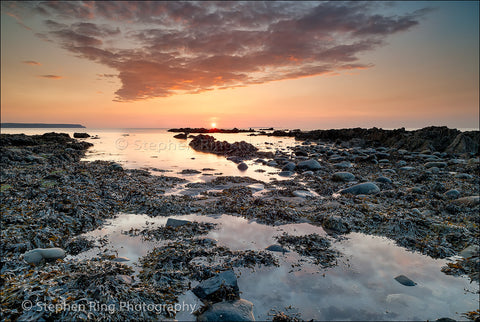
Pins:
<point x="303" y="194"/>
<point x="309" y="164"/>
<point x="383" y="180"/>
<point x="125" y="279"/>
<point x="301" y="153"/>
<point x="120" y="259"/>
<point x="81" y="135"/>
<point x="337" y="224"/>
<point x="189" y="171"/>
<point x="344" y="165"/>
<point x="35" y="256"/>
<point x="452" y="194"/>
<point x="256" y="186"/>
<point x="238" y="310"/>
<point x="470" y="251"/>
<point x="171" y="222"/>
<point x="277" y="248"/>
<point x="402" y="279"/>
<point x="464" y="142"/>
<point x="116" y="167"/>
<point x="290" y="166"/>
<point x="445" y="320"/>
<point x="361" y="189"/>
<point x="181" y="136"/>
<point x="207" y="143"/>
<point x="286" y="173"/>
<point x="463" y="176"/>
<point x="242" y="166"/>
<point x="234" y="159"/>
<point x="272" y="163"/>
<point x="210" y="288"/>
<point x="343" y="176"/>
<point x="468" y="201"/>
<point x="435" y="164"/>
<point x="434" y="170"/>
<point x="407" y="168"/>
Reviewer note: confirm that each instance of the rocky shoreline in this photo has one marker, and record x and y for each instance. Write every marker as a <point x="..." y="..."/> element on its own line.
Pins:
<point x="433" y="138"/>
<point x="427" y="201"/>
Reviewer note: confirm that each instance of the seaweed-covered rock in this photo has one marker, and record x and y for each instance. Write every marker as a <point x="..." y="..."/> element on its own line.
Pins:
<point x="207" y="143"/>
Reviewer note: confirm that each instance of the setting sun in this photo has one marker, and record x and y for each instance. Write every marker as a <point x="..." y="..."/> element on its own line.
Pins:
<point x="214" y="125"/>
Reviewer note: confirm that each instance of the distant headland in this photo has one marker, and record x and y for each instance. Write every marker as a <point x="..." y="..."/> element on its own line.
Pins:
<point x="41" y="125"/>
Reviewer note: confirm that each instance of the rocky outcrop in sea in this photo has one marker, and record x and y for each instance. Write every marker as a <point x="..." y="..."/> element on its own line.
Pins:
<point x="433" y="138"/>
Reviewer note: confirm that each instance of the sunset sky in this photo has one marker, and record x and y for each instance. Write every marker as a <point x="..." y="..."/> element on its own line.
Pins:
<point x="241" y="64"/>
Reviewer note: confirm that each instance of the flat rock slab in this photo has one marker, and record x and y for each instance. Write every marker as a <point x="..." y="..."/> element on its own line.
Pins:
<point x="468" y="201"/>
<point x="365" y="188"/>
<point x="277" y="248"/>
<point x="256" y="186"/>
<point x="176" y="222"/>
<point x="209" y="286"/>
<point x="239" y="310"/>
<point x="470" y="251"/>
<point x="121" y="259"/>
<point x="303" y="193"/>
<point x="402" y="279"/>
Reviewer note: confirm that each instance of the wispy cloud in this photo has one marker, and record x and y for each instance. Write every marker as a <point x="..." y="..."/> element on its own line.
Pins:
<point x="164" y="48"/>
<point x="31" y="62"/>
<point x="50" y="76"/>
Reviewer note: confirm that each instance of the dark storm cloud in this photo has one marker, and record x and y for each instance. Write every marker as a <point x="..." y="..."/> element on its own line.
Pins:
<point x="163" y="48"/>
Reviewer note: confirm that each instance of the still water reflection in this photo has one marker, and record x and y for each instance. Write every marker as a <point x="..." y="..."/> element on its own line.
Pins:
<point x="360" y="287"/>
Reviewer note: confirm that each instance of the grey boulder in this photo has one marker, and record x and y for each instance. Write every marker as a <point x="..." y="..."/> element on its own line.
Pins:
<point x="239" y="310"/>
<point x="309" y="164"/>
<point x="343" y="176"/>
<point x="365" y="188"/>
<point x="36" y="255"/>
<point x="176" y="222"/>
<point x="209" y="287"/>
<point x="452" y="194"/>
<point x="290" y="166"/>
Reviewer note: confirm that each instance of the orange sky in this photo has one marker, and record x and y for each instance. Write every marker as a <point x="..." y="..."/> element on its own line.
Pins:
<point x="423" y="71"/>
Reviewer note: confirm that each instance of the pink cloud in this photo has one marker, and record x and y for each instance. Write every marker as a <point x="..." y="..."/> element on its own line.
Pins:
<point x="163" y="48"/>
<point x="31" y="62"/>
<point x="50" y="76"/>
